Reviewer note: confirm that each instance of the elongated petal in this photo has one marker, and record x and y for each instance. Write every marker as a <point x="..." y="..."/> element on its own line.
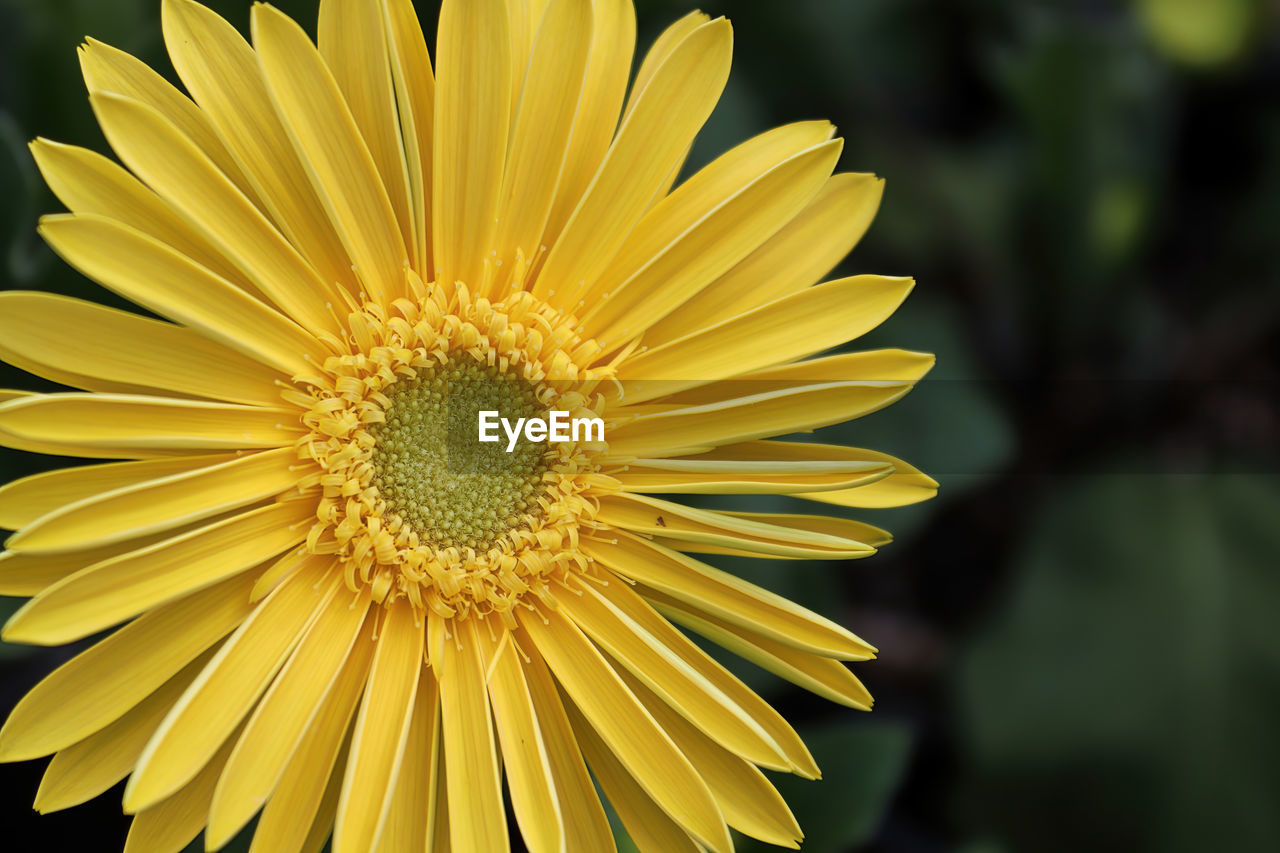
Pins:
<point x="587" y="829"/>
<point x="660" y="50"/>
<point x="161" y="504"/>
<point x="750" y="804"/>
<point x="221" y="71"/>
<point x="23" y="501"/>
<point x="185" y="177"/>
<point x="727" y="596"/>
<point x="31" y="574"/>
<point x="540" y="136"/>
<point x="87" y="769"/>
<point x="352" y="39"/>
<point x="624" y="598"/>
<point x="87" y="182"/>
<point x="282" y="717"/>
<point x="415" y="99"/>
<point x="107" y="69"/>
<point x="309" y="779"/>
<point x="412" y="815"/>
<point x="169" y="825"/>
<point x="111" y="422"/>
<point x="151" y="274"/>
<point x="470" y="753"/>
<point x="380" y="733"/>
<point x="790" y="328"/>
<point x="524" y="755"/>
<point x="472" y="122"/>
<point x="890" y="365"/>
<point x="906" y="485"/>
<point x="659" y="270"/>
<point x="96" y="687"/>
<point x="100" y="349"/>
<point x="650" y="142"/>
<point x="798" y="256"/>
<point x="649" y="827"/>
<point x="696" y="475"/>
<point x="828" y="678"/>
<point x="656" y="517"/>
<point x="211" y="709"/>
<point x="613" y="41"/>
<point x="630" y="732"/>
<point x="118" y="588"/>
<point x="342" y="171"/>
<point x="695" y="429"/>
<point x="665" y="672"/>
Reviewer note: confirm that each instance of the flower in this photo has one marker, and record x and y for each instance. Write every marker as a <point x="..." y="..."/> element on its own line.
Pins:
<point x="338" y="606"/>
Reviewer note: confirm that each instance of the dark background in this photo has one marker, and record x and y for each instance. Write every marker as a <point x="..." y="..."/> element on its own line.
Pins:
<point x="1079" y="642"/>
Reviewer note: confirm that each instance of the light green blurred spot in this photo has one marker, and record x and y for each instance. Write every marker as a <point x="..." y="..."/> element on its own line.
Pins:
<point x="1202" y="33"/>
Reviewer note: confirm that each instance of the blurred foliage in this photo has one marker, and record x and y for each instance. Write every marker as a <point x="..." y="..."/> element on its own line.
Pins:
<point x="1076" y="638"/>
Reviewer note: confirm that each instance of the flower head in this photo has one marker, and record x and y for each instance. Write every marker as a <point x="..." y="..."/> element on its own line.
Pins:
<point x="338" y="606"/>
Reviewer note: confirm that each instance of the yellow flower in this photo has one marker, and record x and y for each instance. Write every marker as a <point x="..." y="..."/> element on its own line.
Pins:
<point x="338" y="606"/>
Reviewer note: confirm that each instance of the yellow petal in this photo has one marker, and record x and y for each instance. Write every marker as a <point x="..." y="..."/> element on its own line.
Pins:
<point x="30" y="574"/>
<point x="729" y="597"/>
<point x="87" y="769"/>
<point x="107" y="69"/>
<point x="281" y="719"/>
<point x="906" y="485"/>
<point x="630" y="732"/>
<point x="222" y="73"/>
<point x="660" y="50"/>
<point x="325" y="135"/>
<point x="799" y="255"/>
<point x="695" y="429"/>
<point x="790" y="328"/>
<point x="153" y="149"/>
<point x="87" y="182"/>
<point x="440" y="841"/>
<point x="623" y="597"/>
<point x="540" y="136"/>
<point x="530" y="776"/>
<point x="699" y="475"/>
<point x="671" y="110"/>
<point x="650" y="829"/>
<point x="161" y="504"/>
<point x="352" y="39"/>
<point x="225" y="691"/>
<point x="470" y="754"/>
<point x="746" y="534"/>
<point x="828" y="678"/>
<point x="613" y="40"/>
<point x="100" y="684"/>
<point x="25" y="500"/>
<point x="472" y="121"/>
<point x="151" y="274"/>
<point x="101" y="349"/>
<point x="380" y="733"/>
<point x="123" y="586"/>
<point x="893" y="365"/>
<point x="169" y="825"/>
<point x="411" y="819"/>
<point x="680" y="685"/>
<point x="327" y="810"/>
<point x="121" y="422"/>
<point x="315" y="771"/>
<point x="669" y="258"/>
<point x="750" y="804"/>
<point x="415" y="99"/>
<point x="7" y="394"/>
<point x="587" y="830"/>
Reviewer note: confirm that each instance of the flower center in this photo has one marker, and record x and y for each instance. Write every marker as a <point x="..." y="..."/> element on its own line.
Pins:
<point x="432" y="470"/>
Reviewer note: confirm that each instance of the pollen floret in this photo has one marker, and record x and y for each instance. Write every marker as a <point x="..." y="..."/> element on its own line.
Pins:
<point x="414" y="505"/>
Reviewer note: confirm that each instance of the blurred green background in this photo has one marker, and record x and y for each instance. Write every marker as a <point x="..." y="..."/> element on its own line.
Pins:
<point x="1080" y="638"/>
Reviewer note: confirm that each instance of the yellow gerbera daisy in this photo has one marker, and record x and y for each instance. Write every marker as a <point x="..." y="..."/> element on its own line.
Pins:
<point x="338" y="606"/>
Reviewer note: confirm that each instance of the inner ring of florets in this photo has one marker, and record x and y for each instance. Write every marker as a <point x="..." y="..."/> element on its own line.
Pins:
<point x="407" y="499"/>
